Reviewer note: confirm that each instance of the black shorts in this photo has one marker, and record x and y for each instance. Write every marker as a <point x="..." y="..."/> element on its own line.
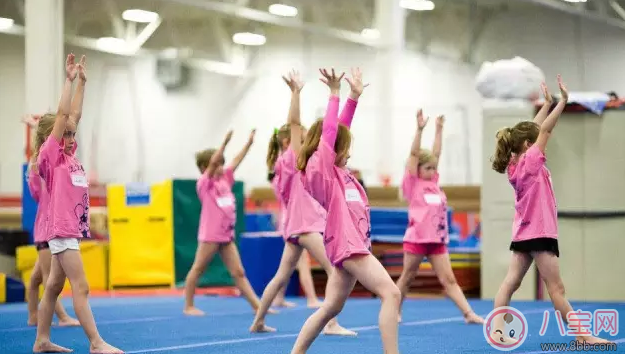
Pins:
<point x="543" y="244"/>
<point x="41" y="246"/>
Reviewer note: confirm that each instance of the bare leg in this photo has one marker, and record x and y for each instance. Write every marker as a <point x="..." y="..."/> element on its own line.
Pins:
<point x="51" y="292"/>
<point x="519" y="265"/>
<point x="408" y="273"/>
<point x="280" y="300"/>
<point x="305" y="278"/>
<point x="372" y="275"/>
<point x="340" y="285"/>
<point x="442" y="267"/>
<point x="65" y="320"/>
<point x="232" y="260"/>
<point x="549" y="268"/>
<point x="313" y="243"/>
<point x="290" y="255"/>
<point x="32" y="296"/>
<point x="72" y="266"/>
<point x="203" y="256"/>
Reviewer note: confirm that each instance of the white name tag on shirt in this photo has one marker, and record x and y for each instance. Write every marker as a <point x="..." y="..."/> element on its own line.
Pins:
<point x="433" y="199"/>
<point x="224" y="202"/>
<point x="352" y="195"/>
<point x="80" y="181"/>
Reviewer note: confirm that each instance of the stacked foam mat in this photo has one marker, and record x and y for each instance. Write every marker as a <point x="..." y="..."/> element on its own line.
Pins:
<point x="153" y="234"/>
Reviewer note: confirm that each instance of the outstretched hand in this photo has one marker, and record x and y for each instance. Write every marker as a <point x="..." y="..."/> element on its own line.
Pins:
<point x="545" y="90"/>
<point x="440" y="121"/>
<point x="421" y="122"/>
<point x="31" y="120"/>
<point x="564" y="93"/>
<point x="82" y="69"/>
<point x="71" y="69"/>
<point x="294" y="81"/>
<point x="250" y="140"/>
<point x="355" y="83"/>
<point x="331" y="79"/>
<point x="228" y="137"/>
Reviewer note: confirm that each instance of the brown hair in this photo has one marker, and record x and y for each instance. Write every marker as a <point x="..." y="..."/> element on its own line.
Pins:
<point x="512" y="141"/>
<point x="203" y="159"/>
<point x="275" y="145"/>
<point x="44" y="129"/>
<point x="311" y="143"/>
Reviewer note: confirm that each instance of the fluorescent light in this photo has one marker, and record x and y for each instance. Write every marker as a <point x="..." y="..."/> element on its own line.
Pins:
<point x="370" y="33"/>
<point x="6" y="23"/>
<point x="417" y="5"/>
<point x="142" y="16"/>
<point x="283" y="10"/>
<point x="113" y="45"/>
<point x="247" y="38"/>
<point x="575" y="1"/>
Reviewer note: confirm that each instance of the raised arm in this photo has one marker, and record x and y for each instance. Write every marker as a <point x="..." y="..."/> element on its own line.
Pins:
<point x="331" y="120"/>
<point x="413" y="159"/>
<point x="296" y="85"/>
<point x="357" y="87"/>
<point x="63" y="112"/>
<point x="547" y="126"/>
<point x="218" y="156"/>
<point x="544" y="110"/>
<point x="438" y="138"/>
<point x="241" y="155"/>
<point x="79" y="95"/>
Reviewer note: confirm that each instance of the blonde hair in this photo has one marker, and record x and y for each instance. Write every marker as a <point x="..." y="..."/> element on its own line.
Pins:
<point x="203" y="159"/>
<point x="512" y="141"/>
<point x="44" y="129"/>
<point x="426" y="156"/>
<point x="311" y="143"/>
<point x="275" y="145"/>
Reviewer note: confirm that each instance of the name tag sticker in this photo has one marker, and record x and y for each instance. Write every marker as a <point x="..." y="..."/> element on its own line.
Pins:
<point x="80" y="181"/>
<point x="433" y="199"/>
<point x="352" y="195"/>
<point x="224" y="202"/>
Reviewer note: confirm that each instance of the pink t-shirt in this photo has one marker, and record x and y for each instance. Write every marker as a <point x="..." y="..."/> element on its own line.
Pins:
<point x="218" y="213"/>
<point x="535" y="203"/>
<point x="302" y="214"/>
<point x="348" y="226"/>
<point x="41" y="196"/>
<point x="427" y="210"/>
<point x="66" y="181"/>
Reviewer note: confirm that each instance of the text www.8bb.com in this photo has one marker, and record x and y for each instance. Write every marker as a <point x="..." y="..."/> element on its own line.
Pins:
<point x="574" y="346"/>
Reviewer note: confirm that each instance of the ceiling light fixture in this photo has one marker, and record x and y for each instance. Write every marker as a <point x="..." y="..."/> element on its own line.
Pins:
<point x="141" y="16"/>
<point x="417" y="5"/>
<point x="6" y="23"/>
<point x="247" y="38"/>
<point x="370" y="33"/>
<point x="283" y="10"/>
<point x="112" y="45"/>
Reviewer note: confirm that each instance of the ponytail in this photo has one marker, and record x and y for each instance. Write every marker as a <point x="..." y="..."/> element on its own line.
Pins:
<point x="273" y="151"/>
<point x="503" y="152"/>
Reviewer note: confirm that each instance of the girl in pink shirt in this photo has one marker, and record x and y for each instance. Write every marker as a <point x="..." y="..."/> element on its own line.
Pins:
<point x="322" y="159"/>
<point x="304" y="218"/>
<point x="217" y="220"/>
<point x="67" y="216"/>
<point x="278" y="144"/>
<point x="40" y="194"/>
<point x="521" y="153"/>
<point x="427" y="234"/>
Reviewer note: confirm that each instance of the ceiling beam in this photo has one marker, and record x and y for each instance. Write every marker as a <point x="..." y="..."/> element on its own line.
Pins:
<point x="235" y="10"/>
<point x="91" y="43"/>
<point x="584" y="13"/>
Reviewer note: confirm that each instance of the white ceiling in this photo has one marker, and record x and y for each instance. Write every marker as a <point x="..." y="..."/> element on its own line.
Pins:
<point x="206" y="26"/>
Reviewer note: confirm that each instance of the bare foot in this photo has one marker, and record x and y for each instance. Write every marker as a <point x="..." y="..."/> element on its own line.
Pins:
<point x="69" y="322"/>
<point x="193" y="311"/>
<point x="49" y="347"/>
<point x="284" y="303"/>
<point x="314" y="304"/>
<point x="104" y="348"/>
<point x="272" y="311"/>
<point x="32" y="320"/>
<point x="261" y="328"/>
<point x="473" y="318"/>
<point x="337" y="330"/>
